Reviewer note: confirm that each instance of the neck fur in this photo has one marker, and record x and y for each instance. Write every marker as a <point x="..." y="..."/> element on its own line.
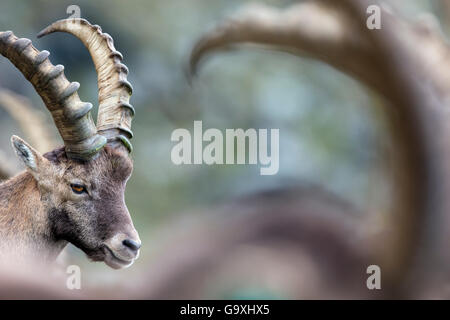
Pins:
<point x="24" y="230"/>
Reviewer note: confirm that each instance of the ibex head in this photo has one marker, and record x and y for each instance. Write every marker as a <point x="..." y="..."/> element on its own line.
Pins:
<point x="82" y="185"/>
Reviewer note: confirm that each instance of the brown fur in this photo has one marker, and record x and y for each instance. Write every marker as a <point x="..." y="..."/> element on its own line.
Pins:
<point x="40" y="213"/>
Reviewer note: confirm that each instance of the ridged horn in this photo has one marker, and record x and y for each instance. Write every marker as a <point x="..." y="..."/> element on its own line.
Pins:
<point x="71" y="116"/>
<point x="115" y="112"/>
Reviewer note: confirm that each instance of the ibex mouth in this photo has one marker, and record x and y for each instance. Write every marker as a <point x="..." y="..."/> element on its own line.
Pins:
<point x="113" y="261"/>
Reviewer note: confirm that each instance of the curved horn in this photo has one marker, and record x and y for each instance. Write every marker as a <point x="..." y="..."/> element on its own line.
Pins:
<point x="115" y="112"/>
<point x="312" y="29"/>
<point x="413" y="78"/>
<point x="71" y="116"/>
<point x="31" y="121"/>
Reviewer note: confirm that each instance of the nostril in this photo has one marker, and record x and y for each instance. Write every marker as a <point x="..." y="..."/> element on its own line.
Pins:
<point x="133" y="245"/>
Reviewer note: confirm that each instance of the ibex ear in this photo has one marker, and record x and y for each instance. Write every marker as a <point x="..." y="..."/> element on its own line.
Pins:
<point x="31" y="158"/>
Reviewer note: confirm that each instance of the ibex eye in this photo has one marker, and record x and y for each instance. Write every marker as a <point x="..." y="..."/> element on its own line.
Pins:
<point x="78" y="188"/>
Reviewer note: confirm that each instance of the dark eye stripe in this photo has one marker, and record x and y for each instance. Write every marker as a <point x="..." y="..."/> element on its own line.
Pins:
<point x="78" y="188"/>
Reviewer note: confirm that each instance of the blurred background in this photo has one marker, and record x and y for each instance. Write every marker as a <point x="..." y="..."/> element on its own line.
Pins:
<point x="332" y="142"/>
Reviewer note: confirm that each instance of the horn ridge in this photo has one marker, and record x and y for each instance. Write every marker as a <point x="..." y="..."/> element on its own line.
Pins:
<point x="80" y="135"/>
<point x="115" y="112"/>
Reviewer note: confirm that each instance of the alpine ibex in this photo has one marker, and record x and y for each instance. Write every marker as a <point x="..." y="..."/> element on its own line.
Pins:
<point x="75" y="193"/>
<point x="407" y="64"/>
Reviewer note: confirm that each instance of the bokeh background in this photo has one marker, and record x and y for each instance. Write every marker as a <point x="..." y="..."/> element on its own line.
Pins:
<point x="332" y="131"/>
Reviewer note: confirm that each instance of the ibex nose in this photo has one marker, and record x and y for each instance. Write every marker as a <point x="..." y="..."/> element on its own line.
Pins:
<point x="130" y="243"/>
